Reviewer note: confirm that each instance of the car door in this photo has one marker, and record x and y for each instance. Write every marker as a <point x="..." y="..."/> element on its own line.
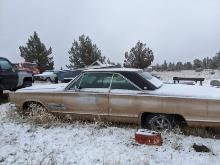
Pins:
<point x="8" y="76"/>
<point x="88" y="95"/>
<point x="123" y="99"/>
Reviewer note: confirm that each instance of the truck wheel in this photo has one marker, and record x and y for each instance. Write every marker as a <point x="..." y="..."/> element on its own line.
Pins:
<point x="159" y="122"/>
<point x="1" y="93"/>
<point x="27" y="84"/>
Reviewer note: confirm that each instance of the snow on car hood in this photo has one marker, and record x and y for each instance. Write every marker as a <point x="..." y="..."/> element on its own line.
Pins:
<point x="45" y="74"/>
<point x="181" y="90"/>
<point x="44" y="88"/>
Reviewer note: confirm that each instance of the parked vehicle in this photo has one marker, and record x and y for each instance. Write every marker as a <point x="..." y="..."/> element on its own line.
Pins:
<point x="11" y="79"/>
<point x="126" y="95"/>
<point x="48" y="75"/>
<point x="66" y="76"/>
<point x="27" y="66"/>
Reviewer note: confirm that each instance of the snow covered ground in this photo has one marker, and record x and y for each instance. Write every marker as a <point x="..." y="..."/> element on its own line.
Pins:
<point x="79" y="143"/>
<point x="167" y="76"/>
<point x="22" y="142"/>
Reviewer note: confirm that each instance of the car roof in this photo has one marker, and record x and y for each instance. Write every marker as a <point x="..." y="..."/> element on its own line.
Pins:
<point x="4" y="58"/>
<point x="113" y="70"/>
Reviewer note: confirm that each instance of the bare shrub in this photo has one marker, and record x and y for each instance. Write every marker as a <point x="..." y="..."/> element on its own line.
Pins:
<point x="37" y="114"/>
<point x="49" y="159"/>
<point x="13" y="115"/>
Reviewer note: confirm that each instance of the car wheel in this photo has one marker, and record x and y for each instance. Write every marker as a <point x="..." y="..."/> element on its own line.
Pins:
<point x="48" y="79"/>
<point x="27" y="84"/>
<point x="159" y="122"/>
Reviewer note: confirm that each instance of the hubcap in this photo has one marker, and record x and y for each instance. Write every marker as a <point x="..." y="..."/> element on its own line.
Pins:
<point x="160" y="123"/>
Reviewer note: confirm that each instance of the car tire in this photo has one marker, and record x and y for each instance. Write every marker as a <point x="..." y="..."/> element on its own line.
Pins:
<point x="27" y="84"/>
<point x="159" y="122"/>
<point x="48" y="79"/>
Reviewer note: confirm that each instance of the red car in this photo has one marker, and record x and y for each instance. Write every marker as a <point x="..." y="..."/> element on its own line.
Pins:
<point x="29" y="67"/>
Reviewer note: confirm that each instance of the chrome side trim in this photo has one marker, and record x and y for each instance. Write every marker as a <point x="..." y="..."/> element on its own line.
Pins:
<point x="54" y="106"/>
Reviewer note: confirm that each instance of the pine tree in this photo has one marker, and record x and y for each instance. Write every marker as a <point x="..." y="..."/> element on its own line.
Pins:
<point x="204" y="63"/>
<point x="179" y="65"/>
<point x="139" y="56"/>
<point x="189" y="66"/>
<point x="217" y="61"/>
<point x="170" y="67"/>
<point x="164" y="66"/>
<point x="36" y="51"/>
<point x="83" y="53"/>
<point x="197" y="63"/>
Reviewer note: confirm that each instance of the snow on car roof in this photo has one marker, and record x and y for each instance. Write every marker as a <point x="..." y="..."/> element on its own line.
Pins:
<point x="113" y="70"/>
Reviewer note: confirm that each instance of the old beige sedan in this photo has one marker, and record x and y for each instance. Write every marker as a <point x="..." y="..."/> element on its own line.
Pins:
<point x="126" y="95"/>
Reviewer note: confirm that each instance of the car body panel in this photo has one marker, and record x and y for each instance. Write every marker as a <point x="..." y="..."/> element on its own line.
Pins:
<point x="86" y="103"/>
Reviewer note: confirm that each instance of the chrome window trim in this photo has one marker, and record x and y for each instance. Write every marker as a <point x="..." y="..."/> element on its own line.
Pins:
<point x="72" y="82"/>
<point x="112" y="73"/>
<point x="138" y="88"/>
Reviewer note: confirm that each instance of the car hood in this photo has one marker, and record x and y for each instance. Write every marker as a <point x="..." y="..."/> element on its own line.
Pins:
<point x="44" y="88"/>
<point x="181" y="90"/>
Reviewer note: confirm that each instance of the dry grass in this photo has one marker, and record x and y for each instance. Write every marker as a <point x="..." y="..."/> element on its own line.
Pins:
<point x="202" y="132"/>
<point x="133" y="162"/>
<point x="38" y="116"/>
<point x="3" y="98"/>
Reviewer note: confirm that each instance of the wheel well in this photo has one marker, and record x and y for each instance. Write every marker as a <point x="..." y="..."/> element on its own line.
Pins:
<point x="178" y="119"/>
<point x="26" y="104"/>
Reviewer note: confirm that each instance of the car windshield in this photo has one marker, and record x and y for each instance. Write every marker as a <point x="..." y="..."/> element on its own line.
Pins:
<point x="153" y="80"/>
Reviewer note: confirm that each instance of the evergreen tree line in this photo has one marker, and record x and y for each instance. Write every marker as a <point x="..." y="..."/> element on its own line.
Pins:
<point x="205" y="63"/>
<point x="83" y="53"/>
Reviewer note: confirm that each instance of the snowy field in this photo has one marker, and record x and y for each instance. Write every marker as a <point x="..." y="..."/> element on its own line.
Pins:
<point x="167" y="76"/>
<point x="22" y="142"/>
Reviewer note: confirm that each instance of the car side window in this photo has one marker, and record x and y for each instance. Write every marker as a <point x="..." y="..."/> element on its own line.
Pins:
<point x="96" y="80"/>
<point x="5" y="66"/>
<point x="118" y="82"/>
